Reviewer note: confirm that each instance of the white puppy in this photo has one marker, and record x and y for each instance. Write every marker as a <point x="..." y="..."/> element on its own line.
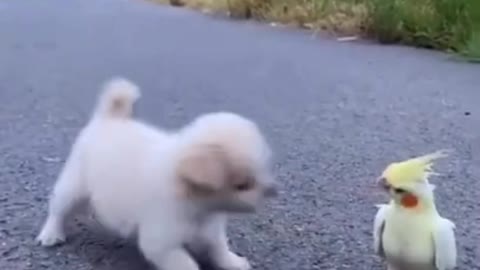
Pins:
<point x="169" y="190"/>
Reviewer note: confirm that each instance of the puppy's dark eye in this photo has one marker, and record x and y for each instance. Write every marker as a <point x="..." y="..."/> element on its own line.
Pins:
<point x="244" y="185"/>
<point x="399" y="190"/>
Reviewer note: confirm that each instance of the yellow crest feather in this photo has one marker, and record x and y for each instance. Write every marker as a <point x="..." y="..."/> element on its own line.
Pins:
<point x="412" y="170"/>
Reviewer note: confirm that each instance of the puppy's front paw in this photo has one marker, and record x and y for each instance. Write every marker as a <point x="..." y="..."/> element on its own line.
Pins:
<point x="234" y="262"/>
<point x="51" y="235"/>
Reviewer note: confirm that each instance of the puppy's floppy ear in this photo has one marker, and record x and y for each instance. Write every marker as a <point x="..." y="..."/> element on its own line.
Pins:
<point x="204" y="169"/>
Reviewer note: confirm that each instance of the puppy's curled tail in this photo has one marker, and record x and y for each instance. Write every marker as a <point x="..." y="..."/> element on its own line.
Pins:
<point x="117" y="98"/>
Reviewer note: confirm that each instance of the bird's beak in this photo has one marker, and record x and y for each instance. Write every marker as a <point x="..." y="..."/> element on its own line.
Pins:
<point x="382" y="183"/>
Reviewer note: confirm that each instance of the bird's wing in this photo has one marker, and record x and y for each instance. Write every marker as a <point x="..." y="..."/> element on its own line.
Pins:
<point x="445" y="245"/>
<point x="378" y="226"/>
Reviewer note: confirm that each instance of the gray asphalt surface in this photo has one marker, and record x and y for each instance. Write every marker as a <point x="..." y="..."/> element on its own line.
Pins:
<point x="335" y="113"/>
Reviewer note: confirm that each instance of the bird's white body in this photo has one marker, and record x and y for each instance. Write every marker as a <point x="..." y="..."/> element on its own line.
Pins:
<point x="414" y="239"/>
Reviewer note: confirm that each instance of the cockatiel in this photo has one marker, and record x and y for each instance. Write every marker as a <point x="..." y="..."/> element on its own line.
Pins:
<point x="409" y="233"/>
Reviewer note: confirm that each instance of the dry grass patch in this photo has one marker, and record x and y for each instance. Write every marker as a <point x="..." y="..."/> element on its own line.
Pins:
<point x="452" y="25"/>
<point x="346" y="17"/>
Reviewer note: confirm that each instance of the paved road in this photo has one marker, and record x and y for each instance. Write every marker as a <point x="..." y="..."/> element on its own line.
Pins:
<point x="336" y="114"/>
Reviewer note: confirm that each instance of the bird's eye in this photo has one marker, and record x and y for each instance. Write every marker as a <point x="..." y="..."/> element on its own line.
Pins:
<point x="399" y="190"/>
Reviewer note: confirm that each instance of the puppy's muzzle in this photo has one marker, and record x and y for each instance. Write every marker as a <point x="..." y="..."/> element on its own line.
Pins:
<point x="270" y="191"/>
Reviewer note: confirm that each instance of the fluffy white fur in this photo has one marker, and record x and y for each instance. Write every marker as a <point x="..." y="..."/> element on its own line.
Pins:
<point x="168" y="189"/>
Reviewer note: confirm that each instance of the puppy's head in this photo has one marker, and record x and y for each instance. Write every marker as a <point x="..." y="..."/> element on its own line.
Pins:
<point x="224" y="163"/>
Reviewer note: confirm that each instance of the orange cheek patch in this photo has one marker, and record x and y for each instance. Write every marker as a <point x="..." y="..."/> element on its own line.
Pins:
<point x="409" y="201"/>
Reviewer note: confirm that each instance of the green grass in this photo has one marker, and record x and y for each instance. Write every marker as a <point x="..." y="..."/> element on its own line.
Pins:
<point x="440" y="24"/>
<point x="449" y="25"/>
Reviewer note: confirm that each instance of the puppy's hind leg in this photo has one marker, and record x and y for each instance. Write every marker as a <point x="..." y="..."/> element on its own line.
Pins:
<point x="68" y="191"/>
<point x="214" y="236"/>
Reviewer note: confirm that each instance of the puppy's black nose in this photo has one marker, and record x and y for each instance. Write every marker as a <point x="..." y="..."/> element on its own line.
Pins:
<point x="270" y="191"/>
